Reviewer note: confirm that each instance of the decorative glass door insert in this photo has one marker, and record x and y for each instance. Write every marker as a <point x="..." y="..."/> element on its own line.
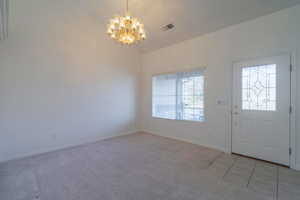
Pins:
<point x="259" y="88"/>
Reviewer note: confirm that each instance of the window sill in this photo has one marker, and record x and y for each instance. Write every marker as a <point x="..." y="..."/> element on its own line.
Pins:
<point x="179" y="120"/>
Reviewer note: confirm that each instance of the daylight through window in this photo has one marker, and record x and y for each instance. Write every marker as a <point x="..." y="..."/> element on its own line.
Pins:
<point x="179" y="96"/>
<point x="259" y="88"/>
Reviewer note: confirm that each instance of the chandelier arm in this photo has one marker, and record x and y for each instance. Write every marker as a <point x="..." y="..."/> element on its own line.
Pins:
<point x="126" y="29"/>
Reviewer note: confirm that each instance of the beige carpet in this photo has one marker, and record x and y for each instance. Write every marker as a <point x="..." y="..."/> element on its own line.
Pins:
<point x="145" y="167"/>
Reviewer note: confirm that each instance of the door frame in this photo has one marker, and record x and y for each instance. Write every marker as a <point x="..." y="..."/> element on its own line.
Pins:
<point x="292" y="133"/>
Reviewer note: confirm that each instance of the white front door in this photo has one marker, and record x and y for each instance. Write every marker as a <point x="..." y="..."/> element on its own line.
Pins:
<point x="261" y="109"/>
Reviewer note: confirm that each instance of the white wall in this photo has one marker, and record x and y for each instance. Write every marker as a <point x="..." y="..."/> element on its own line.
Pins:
<point x="63" y="82"/>
<point x="266" y="36"/>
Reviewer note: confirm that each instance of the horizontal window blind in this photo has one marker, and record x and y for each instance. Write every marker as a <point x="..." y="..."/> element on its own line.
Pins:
<point x="179" y="96"/>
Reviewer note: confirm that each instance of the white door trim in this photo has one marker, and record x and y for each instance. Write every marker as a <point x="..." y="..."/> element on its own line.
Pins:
<point x="292" y="134"/>
<point x="293" y="161"/>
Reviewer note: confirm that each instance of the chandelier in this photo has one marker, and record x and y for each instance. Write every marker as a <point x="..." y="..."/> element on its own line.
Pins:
<point x="126" y="29"/>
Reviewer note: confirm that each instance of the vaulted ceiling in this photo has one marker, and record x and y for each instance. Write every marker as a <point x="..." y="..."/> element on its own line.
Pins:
<point x="191" y="17"/>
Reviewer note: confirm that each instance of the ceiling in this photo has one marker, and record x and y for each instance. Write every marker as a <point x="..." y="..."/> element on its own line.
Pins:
<point x="190" y="17"/>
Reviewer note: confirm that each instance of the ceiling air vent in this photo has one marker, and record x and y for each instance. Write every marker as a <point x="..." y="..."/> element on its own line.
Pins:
<point x="167" y="27"/>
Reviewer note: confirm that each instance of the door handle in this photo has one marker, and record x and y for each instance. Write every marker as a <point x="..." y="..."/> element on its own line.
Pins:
<point x="235" y="113"/>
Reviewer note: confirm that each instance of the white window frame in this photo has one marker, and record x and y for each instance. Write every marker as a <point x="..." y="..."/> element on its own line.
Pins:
<point x="172" y="73"/>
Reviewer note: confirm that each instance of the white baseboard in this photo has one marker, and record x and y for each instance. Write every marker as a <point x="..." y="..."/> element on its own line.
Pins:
<point x="186" y="140"/>
<point x="66" y="146"/>
<point x="296" y="167"/>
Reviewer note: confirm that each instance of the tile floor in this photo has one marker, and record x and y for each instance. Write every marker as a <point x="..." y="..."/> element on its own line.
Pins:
<point x="145" y="167"/>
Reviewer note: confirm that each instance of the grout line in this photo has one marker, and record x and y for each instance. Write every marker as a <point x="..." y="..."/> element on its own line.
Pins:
<point x="277" y="183"/>
<point x="215" y="159"/>
<point x="227" y="171"/>
<point x="251" y="175"/>
<point x="37" y="194"/>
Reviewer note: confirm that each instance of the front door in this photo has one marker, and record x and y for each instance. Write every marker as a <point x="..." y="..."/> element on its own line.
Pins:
<point x="261" y="109"/>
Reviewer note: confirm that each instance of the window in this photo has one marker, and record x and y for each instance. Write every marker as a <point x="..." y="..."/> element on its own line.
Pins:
<point x="178" y="96"/>
<point x="259" y="88"/>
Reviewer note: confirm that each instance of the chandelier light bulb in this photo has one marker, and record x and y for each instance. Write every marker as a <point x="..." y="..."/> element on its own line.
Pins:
<point x="126" y="29"/>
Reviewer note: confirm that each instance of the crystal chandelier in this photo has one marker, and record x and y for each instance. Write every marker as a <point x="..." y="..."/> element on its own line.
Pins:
<point x="126" y="29"/>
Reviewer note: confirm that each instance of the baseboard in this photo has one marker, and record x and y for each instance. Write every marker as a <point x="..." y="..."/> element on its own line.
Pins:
<point x="296" y="167"/>
<point x="186" y="140"/>
<point x="66" y="146"/>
